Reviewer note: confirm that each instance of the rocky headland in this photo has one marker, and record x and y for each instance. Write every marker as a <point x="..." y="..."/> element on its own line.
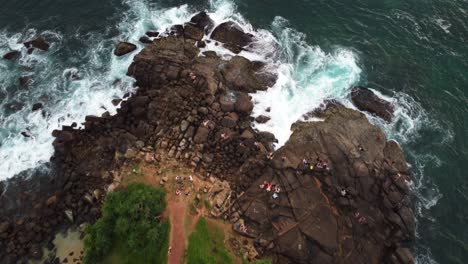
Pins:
<point x="341" y="186"/>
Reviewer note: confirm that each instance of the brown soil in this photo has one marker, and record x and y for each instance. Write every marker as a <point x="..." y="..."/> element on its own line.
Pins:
<point x="178" y="237"/>
<point x="179" y="211"/>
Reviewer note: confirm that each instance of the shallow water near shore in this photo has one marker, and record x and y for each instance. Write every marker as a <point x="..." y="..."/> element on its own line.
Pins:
<point x="412" y="52"/>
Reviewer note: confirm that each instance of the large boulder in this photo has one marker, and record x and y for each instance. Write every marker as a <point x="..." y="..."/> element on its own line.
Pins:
<point x="202" y="135"/>
<point x="202" y="21"/>
<point x="239" y="74"/>
<point x="243" y="104"/>
<point x="124" y="48"/>
<point x="261" y="119"/>
<point x="232" y="35"/>
<point x="365" y="100"/>
<point x="39" y="43"/>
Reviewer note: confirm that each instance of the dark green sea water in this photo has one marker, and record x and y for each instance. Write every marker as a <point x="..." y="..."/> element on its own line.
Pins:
<point x="414" y="50"/>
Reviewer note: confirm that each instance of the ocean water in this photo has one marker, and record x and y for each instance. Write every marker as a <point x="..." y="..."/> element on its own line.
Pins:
<point x="413" y="53"/>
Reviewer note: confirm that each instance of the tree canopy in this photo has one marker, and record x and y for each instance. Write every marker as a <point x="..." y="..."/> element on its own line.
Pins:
<point x="130" y="219"/>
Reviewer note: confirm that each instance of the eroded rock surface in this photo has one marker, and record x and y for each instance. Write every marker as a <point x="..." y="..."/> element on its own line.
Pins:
<point x="311" y="221"/>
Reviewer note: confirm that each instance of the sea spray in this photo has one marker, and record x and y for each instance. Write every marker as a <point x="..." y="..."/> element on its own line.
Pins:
<point x="70" y="88"/>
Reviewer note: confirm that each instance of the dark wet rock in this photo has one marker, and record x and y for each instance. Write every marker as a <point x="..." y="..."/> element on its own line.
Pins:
<point x="124" y="48"/>
<point x="26" y="134"/>
<point x="366" y="100"/>
<point x="37" y="106"/>
<point x="38" y="43"/>
<point x="177" y="30"/>
<point x="145" y="40"/>
<point x="202" y="21"/>
<point x="232" y="35"/>
<point x="261" y="119"/>
<point x="116" y="102"/>
<point x="201" y="44"/>
<point x="152" y="34"/>
<point x="24" y="81"/>
<point x="12" y="55"/>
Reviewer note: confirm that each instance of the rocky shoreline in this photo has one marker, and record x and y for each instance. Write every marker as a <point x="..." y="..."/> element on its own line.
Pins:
<point x="352" y="206"/>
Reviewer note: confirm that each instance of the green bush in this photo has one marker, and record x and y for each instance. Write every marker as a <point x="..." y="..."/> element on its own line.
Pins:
<point x="206" y="245"/>
<point x="129" y="225"/>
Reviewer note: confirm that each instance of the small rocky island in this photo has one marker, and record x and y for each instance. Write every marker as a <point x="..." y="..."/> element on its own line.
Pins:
<point x="336" y="192"/>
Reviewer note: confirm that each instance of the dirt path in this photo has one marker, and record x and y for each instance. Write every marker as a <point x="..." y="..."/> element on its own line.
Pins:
<point x="178" y="237"/>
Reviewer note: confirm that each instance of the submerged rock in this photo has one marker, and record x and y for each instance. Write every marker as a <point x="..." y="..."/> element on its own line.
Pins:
<point x="38" y="43"/>
<point x="365" y="100"/>
<point x="124" y="48"/>
<point x="24" y="81"/>
<point x="12" y="55"/>
<point x="37" y="106"/>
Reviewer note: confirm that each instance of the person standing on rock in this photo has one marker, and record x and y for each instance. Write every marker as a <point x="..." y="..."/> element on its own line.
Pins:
<point x="306" y="164"/>
<point x="343" y="192"/>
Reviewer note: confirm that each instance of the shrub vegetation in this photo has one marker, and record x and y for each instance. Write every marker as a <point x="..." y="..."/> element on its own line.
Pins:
<point x="131" y="226"/>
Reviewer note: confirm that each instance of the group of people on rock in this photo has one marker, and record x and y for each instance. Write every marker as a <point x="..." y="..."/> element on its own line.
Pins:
<point x="361" y="219"/>
<point x="180" y="181"/>
<point x="268" y="187"/>
<point x="319" y="164"/>
<point x="193" y="77"/>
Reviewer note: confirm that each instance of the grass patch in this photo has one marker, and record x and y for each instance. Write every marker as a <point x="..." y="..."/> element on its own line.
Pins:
<point x="129" y="230"/>
<point x="207" y="204"/>
<point x="206" y="245"/>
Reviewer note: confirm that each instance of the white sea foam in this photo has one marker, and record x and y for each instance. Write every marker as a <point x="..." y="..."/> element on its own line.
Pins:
<point x="443" y="24"/>
<point x="68" y="100"/>
<point x="306" y="74"/>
